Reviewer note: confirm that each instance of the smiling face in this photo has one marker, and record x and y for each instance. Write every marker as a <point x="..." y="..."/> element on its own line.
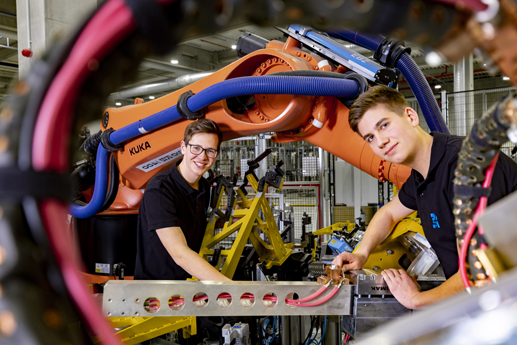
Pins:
<point x="192" y="167"/>
<point x="391" y="136"/>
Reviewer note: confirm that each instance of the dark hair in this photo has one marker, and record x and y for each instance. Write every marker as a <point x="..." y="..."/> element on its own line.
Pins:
<point x="377" y="95"/>
<point x="203" y="126"/>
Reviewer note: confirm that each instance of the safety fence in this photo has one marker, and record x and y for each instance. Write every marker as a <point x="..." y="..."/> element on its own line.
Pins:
<point x="298" y="202"/>
<point x="300" y="159"/>
<point x="461" y="109"/>
<point x="296" y="205"/>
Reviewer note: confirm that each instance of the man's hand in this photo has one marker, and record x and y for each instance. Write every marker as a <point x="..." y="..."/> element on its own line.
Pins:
<point x="349" y="261"/>
<point x="402" y="286"/>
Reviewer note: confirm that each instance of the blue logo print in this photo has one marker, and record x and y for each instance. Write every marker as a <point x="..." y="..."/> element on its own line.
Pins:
<point x="435" y="221"/>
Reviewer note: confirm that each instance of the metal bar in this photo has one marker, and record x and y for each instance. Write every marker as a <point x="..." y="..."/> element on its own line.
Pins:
<point x="232" y="260"/>
<point x="8" y="47"/>
<point x="128" y="298"/>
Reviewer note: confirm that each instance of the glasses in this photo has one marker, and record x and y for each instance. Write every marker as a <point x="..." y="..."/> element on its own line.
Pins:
<point x="197" y="150"/>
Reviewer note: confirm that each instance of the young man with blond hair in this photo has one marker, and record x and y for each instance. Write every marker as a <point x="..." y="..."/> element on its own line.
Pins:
<point x="383" y="118"/>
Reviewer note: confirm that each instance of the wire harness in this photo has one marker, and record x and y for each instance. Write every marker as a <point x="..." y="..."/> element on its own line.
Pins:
<point x="477" y="157"/>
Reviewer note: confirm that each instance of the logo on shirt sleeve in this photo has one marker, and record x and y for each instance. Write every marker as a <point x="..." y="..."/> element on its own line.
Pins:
<point x="435" y="221"/>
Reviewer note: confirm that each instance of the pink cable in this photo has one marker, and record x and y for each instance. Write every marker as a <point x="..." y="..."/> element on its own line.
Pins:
<point x="110" y="25"/>
<point x="308" y="298"/>
<point x="472" y="227"/>
<point x="319" y="301"/>
<point x="54" y="211"/>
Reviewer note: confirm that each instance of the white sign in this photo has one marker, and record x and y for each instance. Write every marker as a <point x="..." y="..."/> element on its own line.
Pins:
<point x="159" y="161"/>
<point x="102" y="268"/>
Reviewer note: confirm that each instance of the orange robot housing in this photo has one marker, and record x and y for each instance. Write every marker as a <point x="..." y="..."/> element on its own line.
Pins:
<point x="322" y="121"/>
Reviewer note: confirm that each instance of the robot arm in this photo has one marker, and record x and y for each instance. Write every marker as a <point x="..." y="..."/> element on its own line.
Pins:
<point x="288" y="91"/>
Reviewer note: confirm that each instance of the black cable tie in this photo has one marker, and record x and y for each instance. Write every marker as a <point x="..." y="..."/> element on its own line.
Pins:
<point x="389" y="52"/>
<point x="183" y="109"/>
<point x="479" y="141"/>
<point x="153" y="24"/>
<point x="495" y="115"/>
<point x="471" y="191"/>
<point x="106" y="142"/>
<point x="362" y="87"/>
<point x="17" y="184"/>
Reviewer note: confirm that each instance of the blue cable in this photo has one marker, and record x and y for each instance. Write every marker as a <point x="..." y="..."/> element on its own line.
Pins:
<point x="276" y="85"/>
<point x="409" y="68"/>
<point x="323" y="332"/>
<point x="310" y="332"/>
<point x="99" y="193"/>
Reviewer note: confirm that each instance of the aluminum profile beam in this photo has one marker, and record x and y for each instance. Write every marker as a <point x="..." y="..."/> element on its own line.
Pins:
<point x="128" y="298"/>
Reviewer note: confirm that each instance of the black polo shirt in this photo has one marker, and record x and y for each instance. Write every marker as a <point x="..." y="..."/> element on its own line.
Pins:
<point x="169" y="201"/>
<point x="432" y="197"/>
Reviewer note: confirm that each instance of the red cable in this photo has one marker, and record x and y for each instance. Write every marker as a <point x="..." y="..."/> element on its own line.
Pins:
<point x="308" y="298"/>
<point x="472" y="227"/>
<point x="109" y="26"/>
<point x="319" y="301"/>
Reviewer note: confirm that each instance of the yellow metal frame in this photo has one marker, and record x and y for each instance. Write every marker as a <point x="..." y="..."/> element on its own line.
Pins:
<point x="138" y="329"/>
<point x="247" y="223"/>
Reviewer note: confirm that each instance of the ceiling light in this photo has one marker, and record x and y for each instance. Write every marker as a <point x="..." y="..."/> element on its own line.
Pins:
<point x="234" y="46"/>
<point x="151" y="97"/>
<point x="433" y="59"/>
<point x="174" y="62"/>
<point x="118" y="103"/>
<point x="437" y="86"/>
<point x="506" y="78"/>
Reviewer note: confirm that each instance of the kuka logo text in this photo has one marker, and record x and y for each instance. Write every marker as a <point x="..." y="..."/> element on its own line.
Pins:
<point x="139" y="148"/>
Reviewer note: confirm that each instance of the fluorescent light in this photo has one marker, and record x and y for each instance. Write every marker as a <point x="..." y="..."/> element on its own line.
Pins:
<point x="234" y="46"/>
<point x="437" y="86"/>
<point x="174" y="62"/>
<point x="118" y="103"/>
<point x="484" y="64"/>
<point x="151" y="97"/>
<point x="506" y="78"/>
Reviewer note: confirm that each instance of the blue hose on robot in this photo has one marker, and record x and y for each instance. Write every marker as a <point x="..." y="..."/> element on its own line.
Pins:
<point x="276" y="85"/>
<point x="411" y="72"/>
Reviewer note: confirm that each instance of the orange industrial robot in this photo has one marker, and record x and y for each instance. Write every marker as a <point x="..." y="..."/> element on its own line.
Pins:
<point x="320" y="120"/>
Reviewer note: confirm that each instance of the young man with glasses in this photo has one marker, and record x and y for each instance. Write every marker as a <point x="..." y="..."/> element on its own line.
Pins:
<point x="172" y="215"/>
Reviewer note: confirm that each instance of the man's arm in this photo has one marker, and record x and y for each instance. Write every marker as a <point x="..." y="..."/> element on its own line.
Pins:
<point x="174" y="241"/>
<point x="379" y="228"/>
<point x="407" y="292"/>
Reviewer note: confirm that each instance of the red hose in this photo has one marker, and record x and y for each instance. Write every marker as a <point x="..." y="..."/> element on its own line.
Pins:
<point x="472" y="227"/>
<point x="109" y="26"/>
<point x="318" y="301"/>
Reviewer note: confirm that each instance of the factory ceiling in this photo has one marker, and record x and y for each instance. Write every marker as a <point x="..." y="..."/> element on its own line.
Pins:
<point x="208" y="54"/>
